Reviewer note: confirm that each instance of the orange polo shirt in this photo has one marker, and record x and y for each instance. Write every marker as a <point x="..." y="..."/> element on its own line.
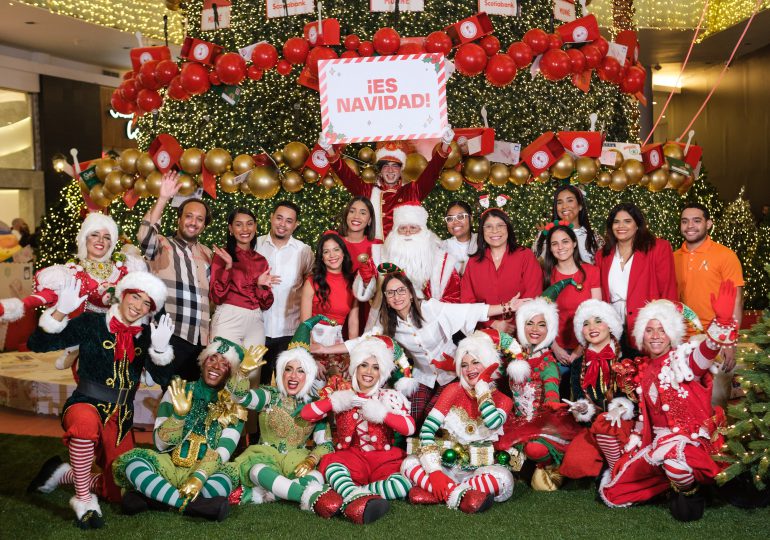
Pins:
<point x="700" y="272"/>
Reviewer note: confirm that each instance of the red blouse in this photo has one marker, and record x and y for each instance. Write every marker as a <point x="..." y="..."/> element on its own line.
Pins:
<point x="569" y="300"/>
<point x="238" y="286"/>
<point x="357" y="248"/>
<point x="340" y="298"/>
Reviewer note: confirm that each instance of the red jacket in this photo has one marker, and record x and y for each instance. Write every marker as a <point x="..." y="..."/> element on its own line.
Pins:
<point x="652" y="278"/>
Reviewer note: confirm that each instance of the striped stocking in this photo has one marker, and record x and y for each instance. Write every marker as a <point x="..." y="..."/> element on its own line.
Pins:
<point x="81" y="457"/>
<point x="417" y="475"/>
<point x="396" y="486"/>
<point x="610" y="447"/>
<point x="69" y="478"/>
<point x="485" y="483"/>
<point x="679" y="473"/>
<point x="218" y="485"/>
<point x="277" y="484"/>
<point x="338" y="477"/>
<point x="144" y="478"/>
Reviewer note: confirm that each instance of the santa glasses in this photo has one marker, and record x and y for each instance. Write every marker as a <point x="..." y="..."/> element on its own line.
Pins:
<point x="456" y="217"/>
<point x="401" y="291"/>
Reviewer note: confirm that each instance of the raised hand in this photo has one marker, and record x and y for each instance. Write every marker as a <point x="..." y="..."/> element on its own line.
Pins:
<point x="724" y="303"/>
<point x="181" y="400"/>
<point x="169" y="185"/>
<point x="253" y="359"/>
<point x="69" y="296"/>
<point x="266" y="279"/>
<point x="367" y="271"/>
<point x="160" y="334"/>
<point x="489" y="371"/>
<point x="325" y="143"/>
<point x="447" y="136"/>
<point x="224" y="255"/>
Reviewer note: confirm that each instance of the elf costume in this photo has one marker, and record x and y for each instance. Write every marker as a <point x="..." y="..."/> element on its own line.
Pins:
<point x="364" y="469"/>
<point x="459" y="467"/>
<point x="677" y="430"/>
<point x="193" y="448"/>
<point x="99" y="414"/>
<point x="281" y="465"/>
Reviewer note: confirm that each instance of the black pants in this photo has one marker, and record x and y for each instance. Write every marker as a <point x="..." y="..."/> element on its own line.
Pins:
<point x="275" y="346"/>
<point x="186" y="358"/>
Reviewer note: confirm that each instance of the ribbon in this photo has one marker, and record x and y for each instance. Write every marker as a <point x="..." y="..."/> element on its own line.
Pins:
<point x="124" y="339"/>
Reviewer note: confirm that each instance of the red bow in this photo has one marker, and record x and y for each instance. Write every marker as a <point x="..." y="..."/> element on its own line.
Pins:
<point x="595" y="363"/>
<point x="124" y="339"/>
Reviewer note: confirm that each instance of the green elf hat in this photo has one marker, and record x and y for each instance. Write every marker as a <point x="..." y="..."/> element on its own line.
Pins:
<point x="299" y="350"/>
<point x="229" y="349"/>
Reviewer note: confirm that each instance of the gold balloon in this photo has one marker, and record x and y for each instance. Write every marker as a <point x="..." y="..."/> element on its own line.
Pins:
<point x="127" y="181"/>
<point x="104" y="167"/>
<point x="676" y="180"/>
<point x="217" y="160"/>
<point x="244" y="188"/>
<point x="603" y="179"/>
<point x="97" y="195"/>
<point x="366" y="154"/>
<point x="645" y="180"/>
<point x="243" y="163"/>
<point x="191" y="160"/>
<point x="328" y="181"/>
<point x="618" y="180"/>
<point x="145" y="165"/>
<point x="153" y="183"/>
<point x="455" y="154"/>
<point x="451" y="180"/>
<point x="187" y="185"/>
<point x="658" y="180"/>
<point x="564" y="167"/>
<point x="263" y="181"/>
<point x="616" y="160"/>
<point x="128" y="159"/>
<point x="295" y="155"/>
<point x="634" y="170"/>
<point x="112" y="182"/>
<point x="498" y="174"/>
<point x="277" y="156"/>
<point x="227" y="182"/>
<point x="519" y="175"/>
<point x="544" y="177"/>
<point x="476" y="169"/>
<point x="415" y="164"/>
<point x="310" y="175"/>
<point x="292" y="182"/>
<point x="140" y="188"/>
<point x="688" y="182"/>
<point x="673" y="150"/>
<point x="586" y="169"/>
<point x="352" y="164"/>
<point x="369" y="175"/>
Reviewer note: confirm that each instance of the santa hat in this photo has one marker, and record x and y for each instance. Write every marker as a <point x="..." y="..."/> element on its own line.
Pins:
<point x="675" y="317"/>
<point x="390" y="358"/>
<point x="143" y="282"/>
<point x="391" y="152"/>
<point x="96" y="222"/>
<point x="486" y="346"/>
<point x="596" y="308"/>
<point x="410" y="213"/>
<point x="231" y="351"/>
<point x="528" y="310"/>
<point x="299" y="350"/>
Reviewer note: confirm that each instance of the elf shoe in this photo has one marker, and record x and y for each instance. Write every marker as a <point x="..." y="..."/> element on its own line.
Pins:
<point x="49" y="475"/>
<point x="211" y="508"/>
<point x="88" y="513"/>
<point x="474" y="501"/>
<point x="366" y="509"/>
<point x="687" y="506"/>
<point x="322" y="500"/>
<point x="417" y="495"/>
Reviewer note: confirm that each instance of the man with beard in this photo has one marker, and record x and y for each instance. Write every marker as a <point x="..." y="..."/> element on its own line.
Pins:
<point x="701" y="266"/>
<point x="417" y="250"/>
<point x="184" y="265"/>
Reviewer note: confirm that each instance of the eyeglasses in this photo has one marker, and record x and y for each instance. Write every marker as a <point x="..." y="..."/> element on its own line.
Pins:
<point x="498" y="227"/>
<point x="401" y="291"/>
<point x="456" y="217"/>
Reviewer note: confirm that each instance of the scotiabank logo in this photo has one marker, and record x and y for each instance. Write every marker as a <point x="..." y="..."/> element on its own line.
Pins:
<point x="145" y="57"/>
<point x="654" y="159"/>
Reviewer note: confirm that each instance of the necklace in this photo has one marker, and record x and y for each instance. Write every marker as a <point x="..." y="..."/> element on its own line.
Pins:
<point x="98" y="269"/>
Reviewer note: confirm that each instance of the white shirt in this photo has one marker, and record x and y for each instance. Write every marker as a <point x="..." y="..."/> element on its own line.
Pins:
<point x="292" y="262"/>
<point x="618" y="284"/>
<point x="461" y="251"/>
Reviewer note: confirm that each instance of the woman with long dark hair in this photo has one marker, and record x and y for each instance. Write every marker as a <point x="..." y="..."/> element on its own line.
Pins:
<point x="357" y="229"/>
<point x="240" y="283"/>
<point x="635" y="267"/>
<point x="500" y="269"/>
<point x="569" y="205"/>
<point x="464" y="242"/>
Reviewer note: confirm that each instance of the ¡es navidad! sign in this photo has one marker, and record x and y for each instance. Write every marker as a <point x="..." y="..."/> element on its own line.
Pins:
<point x="383" y="98"/>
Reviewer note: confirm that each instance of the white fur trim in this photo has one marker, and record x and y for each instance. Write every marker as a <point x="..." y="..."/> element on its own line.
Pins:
<point x="665" y="312"/>
<point x="394" y="153"/>
<point x="622" y="403"/>
<point x="54" y="277"/>
<point x="51" y="325"/>
<point x="67" y="357"/>
<point x="145" y="282"/>
<point x="162" y="358"/>
<point x="456" y="495"/>
<point x="586" y="416"/>
<point x="96" y="221"/>
<point x="480" y="346"/>
<point x="260" y="495"/>
<point x="410" y="214"/>
<point x="342" y="400"/>
<point x="538" y="306"/>
<point x="81" y="507"/>
<point x="213" y="348"/>
<point x="372" y="346"/>
<point x="310" y="491"/>
<point x="407" y="386"/>
<point x="13" y="309"/>
<point x="374" y="411"/>
<point x="134" y="263"/>
<point x="519" y="371"/>
<point x="308" y="364"/>
<point x="596" y="308"/>
<point x="53" y="481"/>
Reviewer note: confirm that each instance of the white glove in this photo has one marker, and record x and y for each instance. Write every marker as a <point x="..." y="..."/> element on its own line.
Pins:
<point x="446" y="137"/>
<point x="614" y="416"/>
<point x="325" y="143"/>
<point x="580" y="406"/>
<point x="359" y="401"/>
<point x="69" y="296"/>
<point x="634" y="441"/>
<point x="481" y="388"/>
<point x="160" y="334"/>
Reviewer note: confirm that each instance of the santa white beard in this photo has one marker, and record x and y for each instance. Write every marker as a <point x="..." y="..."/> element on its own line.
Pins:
<point x="414" y="254"/>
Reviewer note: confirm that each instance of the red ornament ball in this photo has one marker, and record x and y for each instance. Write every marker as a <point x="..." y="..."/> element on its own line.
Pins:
<point x="521" y="53"/>
<point x="254" y="73"/>
<point x="610" y="70"/>
<point x="537" y="39"/>
<point x="349" y="54"/>
<point x="295" y="50"/>
<point x="438" y="42"/>
<point x="121" y="105"/>
<point x="366" y="48"/>
<point x="601" y="44"/>
<point x="165" y="71"/>
<point x="149" y="100"/>
<point x="554" y="41"/>
<point x="176" y="90"/>
<point x="146" y="75"/>
<point x="129" y="89"/>
<point x="490" y="44"/>
<point x="264" y="56"/>
<point x="633" y="81"/>
<point x="500" y="70"/>
<point x="352" y="42"/>
<point x="214" y="78"/>
<point x="577" y="60"/>
<point x="283" y="67"/>
<point x="386" y="41"/>
<point x="195" y="78"/>
<point x="555" y="64"/>
<point x="593" y="56"/>
<point x="230" y="68"/>
<point x="470" y="59"/>
<point x="316" y="54"/>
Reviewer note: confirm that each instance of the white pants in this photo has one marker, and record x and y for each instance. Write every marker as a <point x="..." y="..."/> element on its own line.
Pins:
<point x="245" y="327"/>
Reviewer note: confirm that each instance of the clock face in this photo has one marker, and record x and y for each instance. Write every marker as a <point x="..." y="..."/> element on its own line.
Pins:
<point x="654" y="159"/>
<point x="320" y="159"/>
<point x="312" y="35"/>
<point x="580" y="34"/>
<point x="164" y="160"/>
<point x="540" y="160"/>
<point x="200" y="52"/>
<point x="145" y="57"/>
<point x="468" y="30"/>
<point x="579" y="146"/>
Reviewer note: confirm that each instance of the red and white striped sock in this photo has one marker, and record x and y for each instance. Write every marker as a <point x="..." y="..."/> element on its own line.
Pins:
<point x="81" y="458"/>
<point x="419" y="477"/>
<point x="610" y="447"/>
<point x="485" y="483"/>
<point x="69" y="478"/>
<point x="679" y="473"/>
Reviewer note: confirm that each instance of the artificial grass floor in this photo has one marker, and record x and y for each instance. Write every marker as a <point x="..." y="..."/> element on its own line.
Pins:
<point x="570" y="513"/>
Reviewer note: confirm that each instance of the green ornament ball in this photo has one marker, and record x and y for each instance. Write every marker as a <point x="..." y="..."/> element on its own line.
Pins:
<point x="449" y="456"/>
<point x="502" y="458"/>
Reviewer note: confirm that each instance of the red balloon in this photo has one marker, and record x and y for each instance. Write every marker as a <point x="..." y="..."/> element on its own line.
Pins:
<point x="283" y="67"/>
<point x="537" y="40"/>
<point x="165" y="71"/>
<point x="128" y="89"/>
<point x="386" y="41"/>
<point x="128" y="75"/>
<point x="254" y="73"/>
<point x="438" y="42"/>
<point x="121" y="105"/>
<point x="230" y="68"/>
<point x="470" y="59"/>
<point x="521" y="53"/>
<point x="555" y="64"/>
<point x="295" y="50"/>
<point x="610" y="70"/>
<point x="349" y="54"/>
<point x="352" y="42"/>
<point x="195" y="78"/>
<point x="577" y="60"/>
<point x="593" y="56"/>
<point x="601" y="44"/>
<point x="214" y="78"/>
<point x="147" y="75"/>
<point x="264" y="56"/>
<point x="633" y="81"/>
<point x="176" y="90"/>
<point x="366" y="48"/>
<point x="149" y="100"/>
<point x="554" y="41"/>
<point x="316" y="54"/>
<point x="490" y="44"/>
<point x="411" y="48"/>
<point x="501" y="70"/>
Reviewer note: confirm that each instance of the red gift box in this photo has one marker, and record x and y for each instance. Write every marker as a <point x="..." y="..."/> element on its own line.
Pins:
<point x="470" y="29"/>
<point x="306" y="78"/>
<point x="629" y="39"/>
<point x="693" y="155"/>
<point x="542" y="152"/>
<point x="140" y="55"/>
<point x="652" y="157"/>
<point x="480" y="140"/>
<point x="329" y="36"/>
<point x="582" y="143"/>
<point x="584" y="29"/>
<point x="201" y="51"/>
<point x="165" y="152"/>
<point x="318" y="160"/>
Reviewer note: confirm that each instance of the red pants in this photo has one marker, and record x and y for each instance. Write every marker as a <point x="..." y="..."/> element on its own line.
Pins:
<point x="82" y="421"/>
<point x="365" y="467"/>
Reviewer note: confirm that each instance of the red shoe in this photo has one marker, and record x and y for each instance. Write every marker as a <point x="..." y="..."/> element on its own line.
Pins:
<point x="366" y="509"/>
<point x="235" y="496"/>
<point x="417" y="495"/>
<point x="475" y="502"/>
<point x="328" y="504"/>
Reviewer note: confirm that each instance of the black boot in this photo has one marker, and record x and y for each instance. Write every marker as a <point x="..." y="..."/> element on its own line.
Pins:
<point x="134" y="503"/>
<point x="211" y="508"/>
<point x="46" y="472"/>
<point x="687" y="506"/>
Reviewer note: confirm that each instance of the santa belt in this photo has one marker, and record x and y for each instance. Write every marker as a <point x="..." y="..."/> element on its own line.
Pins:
<point x="101" y="392"/>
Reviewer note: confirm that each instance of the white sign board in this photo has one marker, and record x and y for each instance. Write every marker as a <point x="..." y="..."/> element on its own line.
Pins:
<point x="508" y="8"/>
<point x="390" y="5"/>
<point x="283" y="8"/>
<point x="382" y="98"/>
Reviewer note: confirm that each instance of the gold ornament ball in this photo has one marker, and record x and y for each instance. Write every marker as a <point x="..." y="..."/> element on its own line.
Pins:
<point x="104" y="167"/>
<point x="684" y="188"/>
<point x="658" y="180"/>
<point x="498" y="174"/>
<point x="243" y="187"/>
<point x="153" y="183"/>
<point x="676" y="180"/>
<point x="173" y="5"/>
<point x="310" y="176"/>
<point x="112" y="182"/>
<point x="263" y="181"/>
<point x="634" y="170"/>
<point x="277" y="157"/>
<point x="217" y="160"/>
<point x="616" y="159"/>
<point x="519" y="175"/>
<point x="97" y="195"/>
<point x="140" y="188"/>
<point x="673" y="150"/>
<point x="191" y="160"/>
<point x="645" y="180"/>
<point x="328" y="181"/>
<point x="366" y="154"/>
<point x="353" y="164"/>
<point x="618" y="180"/>
<point x="586" y="169"/>
<point x="187" y="185"/>
<point x="455" y="154"/>
<point x="564" y="167"/>
<point x="451" y="180"/>
<point x="295" y="155"/>
<point x="127" y="181"/>
<point x="128" y="159"/>
<point x="145" y="165"/>
<point x="369" y="175"/>
<point x="415" y="164"/>
<point x="292" y="182"/>
<point x="243" y="163"/>
<point x="544" y="177"/>
<point x="603" y="179"/>
<point x="476" y="168"/>
<point x="227" y="182"/>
